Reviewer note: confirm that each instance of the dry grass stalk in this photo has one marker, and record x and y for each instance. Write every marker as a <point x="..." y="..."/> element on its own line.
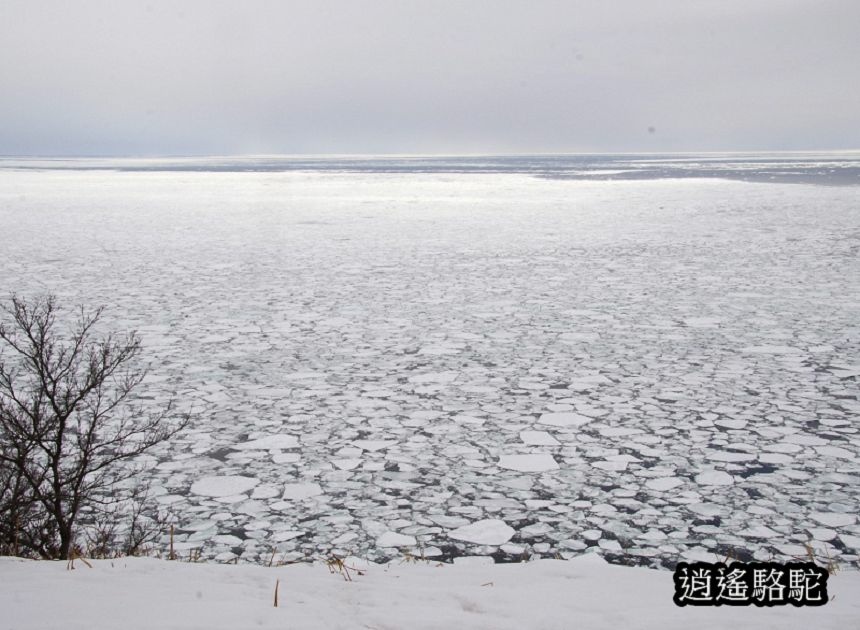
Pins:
<point x="75" y="554"/>
<point x="171" y="555"/>
<point x="337" y="565"/>
<point x="831" y="565"/>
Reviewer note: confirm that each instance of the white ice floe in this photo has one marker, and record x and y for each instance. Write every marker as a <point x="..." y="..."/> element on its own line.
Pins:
<point x="344" y="538"/>
<point x="804" y="439"/>
<point x="286" y="535"/>
<point x="341" y="323"/>
<point x="299" y="491"/>
<point x="434" y="377"/>
<point x="303" y="376"/>
<point x="619" y="431"/>
<point x="564" y="419"/>
<point x="530" y="462"/>
<point x="224" y="486"/>
<point x="702" y="322"/>
<point x="662" y="484"/>
<point x="445" y="520"/>
<point x="286" y="458"/>
<point x="770" y="349"/>
<point x="578" y="337"/>
<point x="538" y="438"/>
<point x="775" y="458"/>
<point x="347" y="464"/>
<point x="265" y="491"/>
<point x="834" y="451"/>
<point x="834" y="519"/>
<point x="582" y="383"/>
<point x="590" y="410"/>
<point x="393" y="539"/>
<point x="653" y="535"/>
<point x="280" y="441"/>
<point x="609" y="545"/>
<point x="714" y="478"/>
<point x="485" y="532"/>
<point x="821" y="533"/>
<point x="610" y="466"/>
<point x="440" y="350"/>
<point x="373" y="445"/>
<point x="758" y="531"/>
<point x="729" y="456"/>
<point x="852" y="542"/>
<point x="731" y="423"/>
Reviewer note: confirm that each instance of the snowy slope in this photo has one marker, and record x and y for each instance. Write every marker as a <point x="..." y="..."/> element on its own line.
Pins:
<point x="584" y="593"/>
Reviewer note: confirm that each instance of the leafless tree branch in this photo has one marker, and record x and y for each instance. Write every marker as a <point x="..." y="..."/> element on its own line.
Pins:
<point x="67" y="419"/>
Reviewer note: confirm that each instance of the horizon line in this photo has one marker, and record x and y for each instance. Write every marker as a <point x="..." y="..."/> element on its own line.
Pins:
<point x="417" y="155"/>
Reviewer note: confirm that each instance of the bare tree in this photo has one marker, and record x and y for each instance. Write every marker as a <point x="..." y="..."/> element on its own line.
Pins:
<point x="68" y="419"/>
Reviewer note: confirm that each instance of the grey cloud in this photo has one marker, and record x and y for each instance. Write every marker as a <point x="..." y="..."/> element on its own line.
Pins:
<point x="447" y="76"/>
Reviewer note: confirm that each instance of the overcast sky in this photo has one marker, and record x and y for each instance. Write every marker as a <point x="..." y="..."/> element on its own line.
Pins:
<point x="129" y="77"/>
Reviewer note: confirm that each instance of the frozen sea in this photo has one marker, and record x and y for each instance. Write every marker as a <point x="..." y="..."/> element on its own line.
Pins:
<point x="653" y="356"/>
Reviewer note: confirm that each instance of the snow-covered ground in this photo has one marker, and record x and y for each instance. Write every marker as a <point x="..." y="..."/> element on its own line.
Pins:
<point x="542" y="595"/>
<point x="455" y="363"/>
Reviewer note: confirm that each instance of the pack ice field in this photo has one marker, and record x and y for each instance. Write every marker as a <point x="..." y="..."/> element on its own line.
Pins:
<point x="474" y="363"/>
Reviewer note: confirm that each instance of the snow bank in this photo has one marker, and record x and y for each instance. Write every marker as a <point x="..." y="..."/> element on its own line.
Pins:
<point x="583" y="593"/>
